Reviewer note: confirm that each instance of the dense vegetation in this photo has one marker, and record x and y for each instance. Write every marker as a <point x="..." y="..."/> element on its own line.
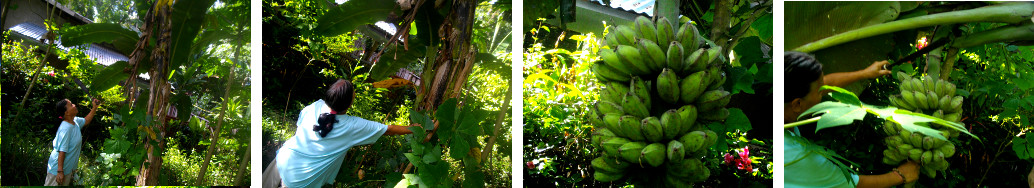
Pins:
<point x="453" y="58"/>
<point x="198" y="64"/>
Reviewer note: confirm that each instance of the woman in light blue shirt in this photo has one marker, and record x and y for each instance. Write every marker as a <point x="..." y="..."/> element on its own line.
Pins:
<point x="313" y="156"/>
<point x="805" y="167"/>
<point x="67" y="143"/>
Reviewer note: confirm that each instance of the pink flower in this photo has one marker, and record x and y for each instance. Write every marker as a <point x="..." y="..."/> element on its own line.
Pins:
<point x="741" y="160"/>
<point x="531" y="164"/>
<point x="728" y="159"/>
<point x="922" y="43"/>
<point x="50" y="73"/>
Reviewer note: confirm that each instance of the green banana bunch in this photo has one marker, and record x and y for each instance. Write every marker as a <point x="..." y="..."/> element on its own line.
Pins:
<point x="662" y="84"/>
<point x="936" y="98"/>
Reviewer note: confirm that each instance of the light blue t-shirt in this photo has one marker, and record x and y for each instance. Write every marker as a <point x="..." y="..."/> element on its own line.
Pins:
<point x="69" y="139"/>
<point x="805" y="168"/>
<point x="308" y="160"/>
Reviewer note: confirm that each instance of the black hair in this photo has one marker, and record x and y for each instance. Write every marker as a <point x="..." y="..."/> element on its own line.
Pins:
<point x="800" y="71"/>
<point x="339" y="98"/>
<point x="61" y="107"/>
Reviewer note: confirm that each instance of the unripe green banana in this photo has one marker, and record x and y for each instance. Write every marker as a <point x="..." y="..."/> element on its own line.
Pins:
<point x="607" y="177"/>
<point x="931" y="100"/>
<point x="632" y="151"/>
<point x="915" y="154"/>
<point x="665" y="31"/>
<point x="921" y="100"/>
<point x="668" y="86"/>
<point x="610" y="73"/>
<point x="916" y="139"/>
<point x="928" y="142"/>
<point x="612" y="121"/>
<point x="612" y="59"/>
<point x="715" y="115"/>
<point x="717" y="78"/>
<point x="948" y="149"/>
<point x="953" y="117"/>
<point x="676" y="151"/>
<point x="601" y="165"/>
<point x="893" y="156"/>
<point x="692" y="86"/>
<point x="675" y="56"/>
<point x="711" y="138"/>
<point x="904" y="148"/>
<point x="654" y="55"/>
<point x="595" y="119"/>
<point x="950" y="89"/>
<point x="900" y="103"/>
<point x="942" y="88"/>
<point x="611" y="39"/>
<point x="632" y="127"/>
<point x="893" y="140"/>
<point x="700" y="175"/>
<point x="930" y="172"/>
<point x="891" y="129"/>
<point x="704" y="60"/>
<point x="632" y="55"/>
<point x="615" y="92"/>
<point x="902" y="76"/>
<point x="938" y="114"/>
<point x="688" y="36"/>
<point x="601" y="135"/>
<point x="670" y="123"/>
<point x="654" y="154"/>
<point x="691" y="61"/>
<point x="714" y="53"/>
<point x="635" y="106"/>
<point x="929" y="83"/>
<point x="652" y="129"/>
<point x="625" y="35"/>
<point x="616" y="162"/>
<point x="646" y="28"/>
<point x="956" y="104"/>
<point x="945" y="103"/>
<point x="693" y="141"/>
<point x="688" y="115"/>
<point x="927" y="157"/>
<point x="908" y="98"/>
<point x="642" y="89"/>
<point x="613" y="145"/>
<point x="672" y="181"/>
<point x="607" y="107"/>
<point x="713" y="99"/>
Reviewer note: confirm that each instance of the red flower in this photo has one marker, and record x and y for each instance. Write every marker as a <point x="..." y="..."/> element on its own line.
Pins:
<point x="531" y="164"/>
<point x="729" y="159"/>
<point x="741" y="160"/>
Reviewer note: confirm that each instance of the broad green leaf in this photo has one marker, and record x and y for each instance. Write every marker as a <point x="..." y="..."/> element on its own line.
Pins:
<point x="415" y="159"/>
<point x="822" y="108"/>
<point x="434" y="155"/>
<point x="446" y="113"/>
<point x="346" y="17"/>
<point x="1021" y="147"/>
<point x="109" y="77"/>
<point x="842" y="95"/>
<point x="840" y="116"/>
<point x="738" y="120"/>
<point x="123" y="39"/>
<point x="187" y="18"/>
<point x="458" y="148"/>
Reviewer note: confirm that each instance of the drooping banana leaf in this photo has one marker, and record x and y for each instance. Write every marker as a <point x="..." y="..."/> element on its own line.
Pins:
<point x="187" y="18"/>
<point x="123" y="39"/>
<point x="346" y="17"/>
<point x="108" y="77"/>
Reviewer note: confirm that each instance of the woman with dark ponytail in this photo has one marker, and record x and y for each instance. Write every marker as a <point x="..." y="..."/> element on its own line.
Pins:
<point x="313" y="156"/>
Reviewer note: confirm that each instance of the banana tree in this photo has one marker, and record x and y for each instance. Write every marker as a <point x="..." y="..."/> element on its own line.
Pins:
<point x="166" y="42"/>
<point x="437" y="37"/>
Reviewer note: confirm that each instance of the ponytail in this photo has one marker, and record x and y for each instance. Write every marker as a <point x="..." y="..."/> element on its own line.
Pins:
<point x="324" y="124"/>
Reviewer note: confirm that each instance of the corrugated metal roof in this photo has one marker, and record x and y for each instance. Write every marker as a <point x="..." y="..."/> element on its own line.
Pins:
<point x="99" y="54"/>
<point x="637" y="6"/>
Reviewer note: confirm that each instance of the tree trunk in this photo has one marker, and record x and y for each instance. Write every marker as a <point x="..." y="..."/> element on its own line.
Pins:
<point x="243" y="170"/>
<point x="498" y="127"/>
<point x="42" y="62"/>
<point x="158" y="104"/>
<point x="219" y="125"/>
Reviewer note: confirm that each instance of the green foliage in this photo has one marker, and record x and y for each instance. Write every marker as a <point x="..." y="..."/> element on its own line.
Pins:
<point x="122" y="38"/>
<point x="458" y="128"/>
<point x="346" y="17"/>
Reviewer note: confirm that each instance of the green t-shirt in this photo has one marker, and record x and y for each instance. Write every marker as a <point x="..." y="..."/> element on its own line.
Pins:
<point x="804" y="167"/>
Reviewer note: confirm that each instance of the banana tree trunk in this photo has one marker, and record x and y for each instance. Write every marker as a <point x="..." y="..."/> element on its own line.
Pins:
<point x="1013" y="12"/>
<point x="158" y="104"/>
<point x="451" y="67"/>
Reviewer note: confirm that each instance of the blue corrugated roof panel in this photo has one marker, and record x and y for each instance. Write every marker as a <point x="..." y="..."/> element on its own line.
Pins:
<point x="99" y="54"/>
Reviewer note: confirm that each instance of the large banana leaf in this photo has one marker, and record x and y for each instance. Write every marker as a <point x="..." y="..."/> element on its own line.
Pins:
<point x="123" y="39"/>
<point x="346" y="17"/>
<point x="187" y="17"/>
<point x="109" y="77"/>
